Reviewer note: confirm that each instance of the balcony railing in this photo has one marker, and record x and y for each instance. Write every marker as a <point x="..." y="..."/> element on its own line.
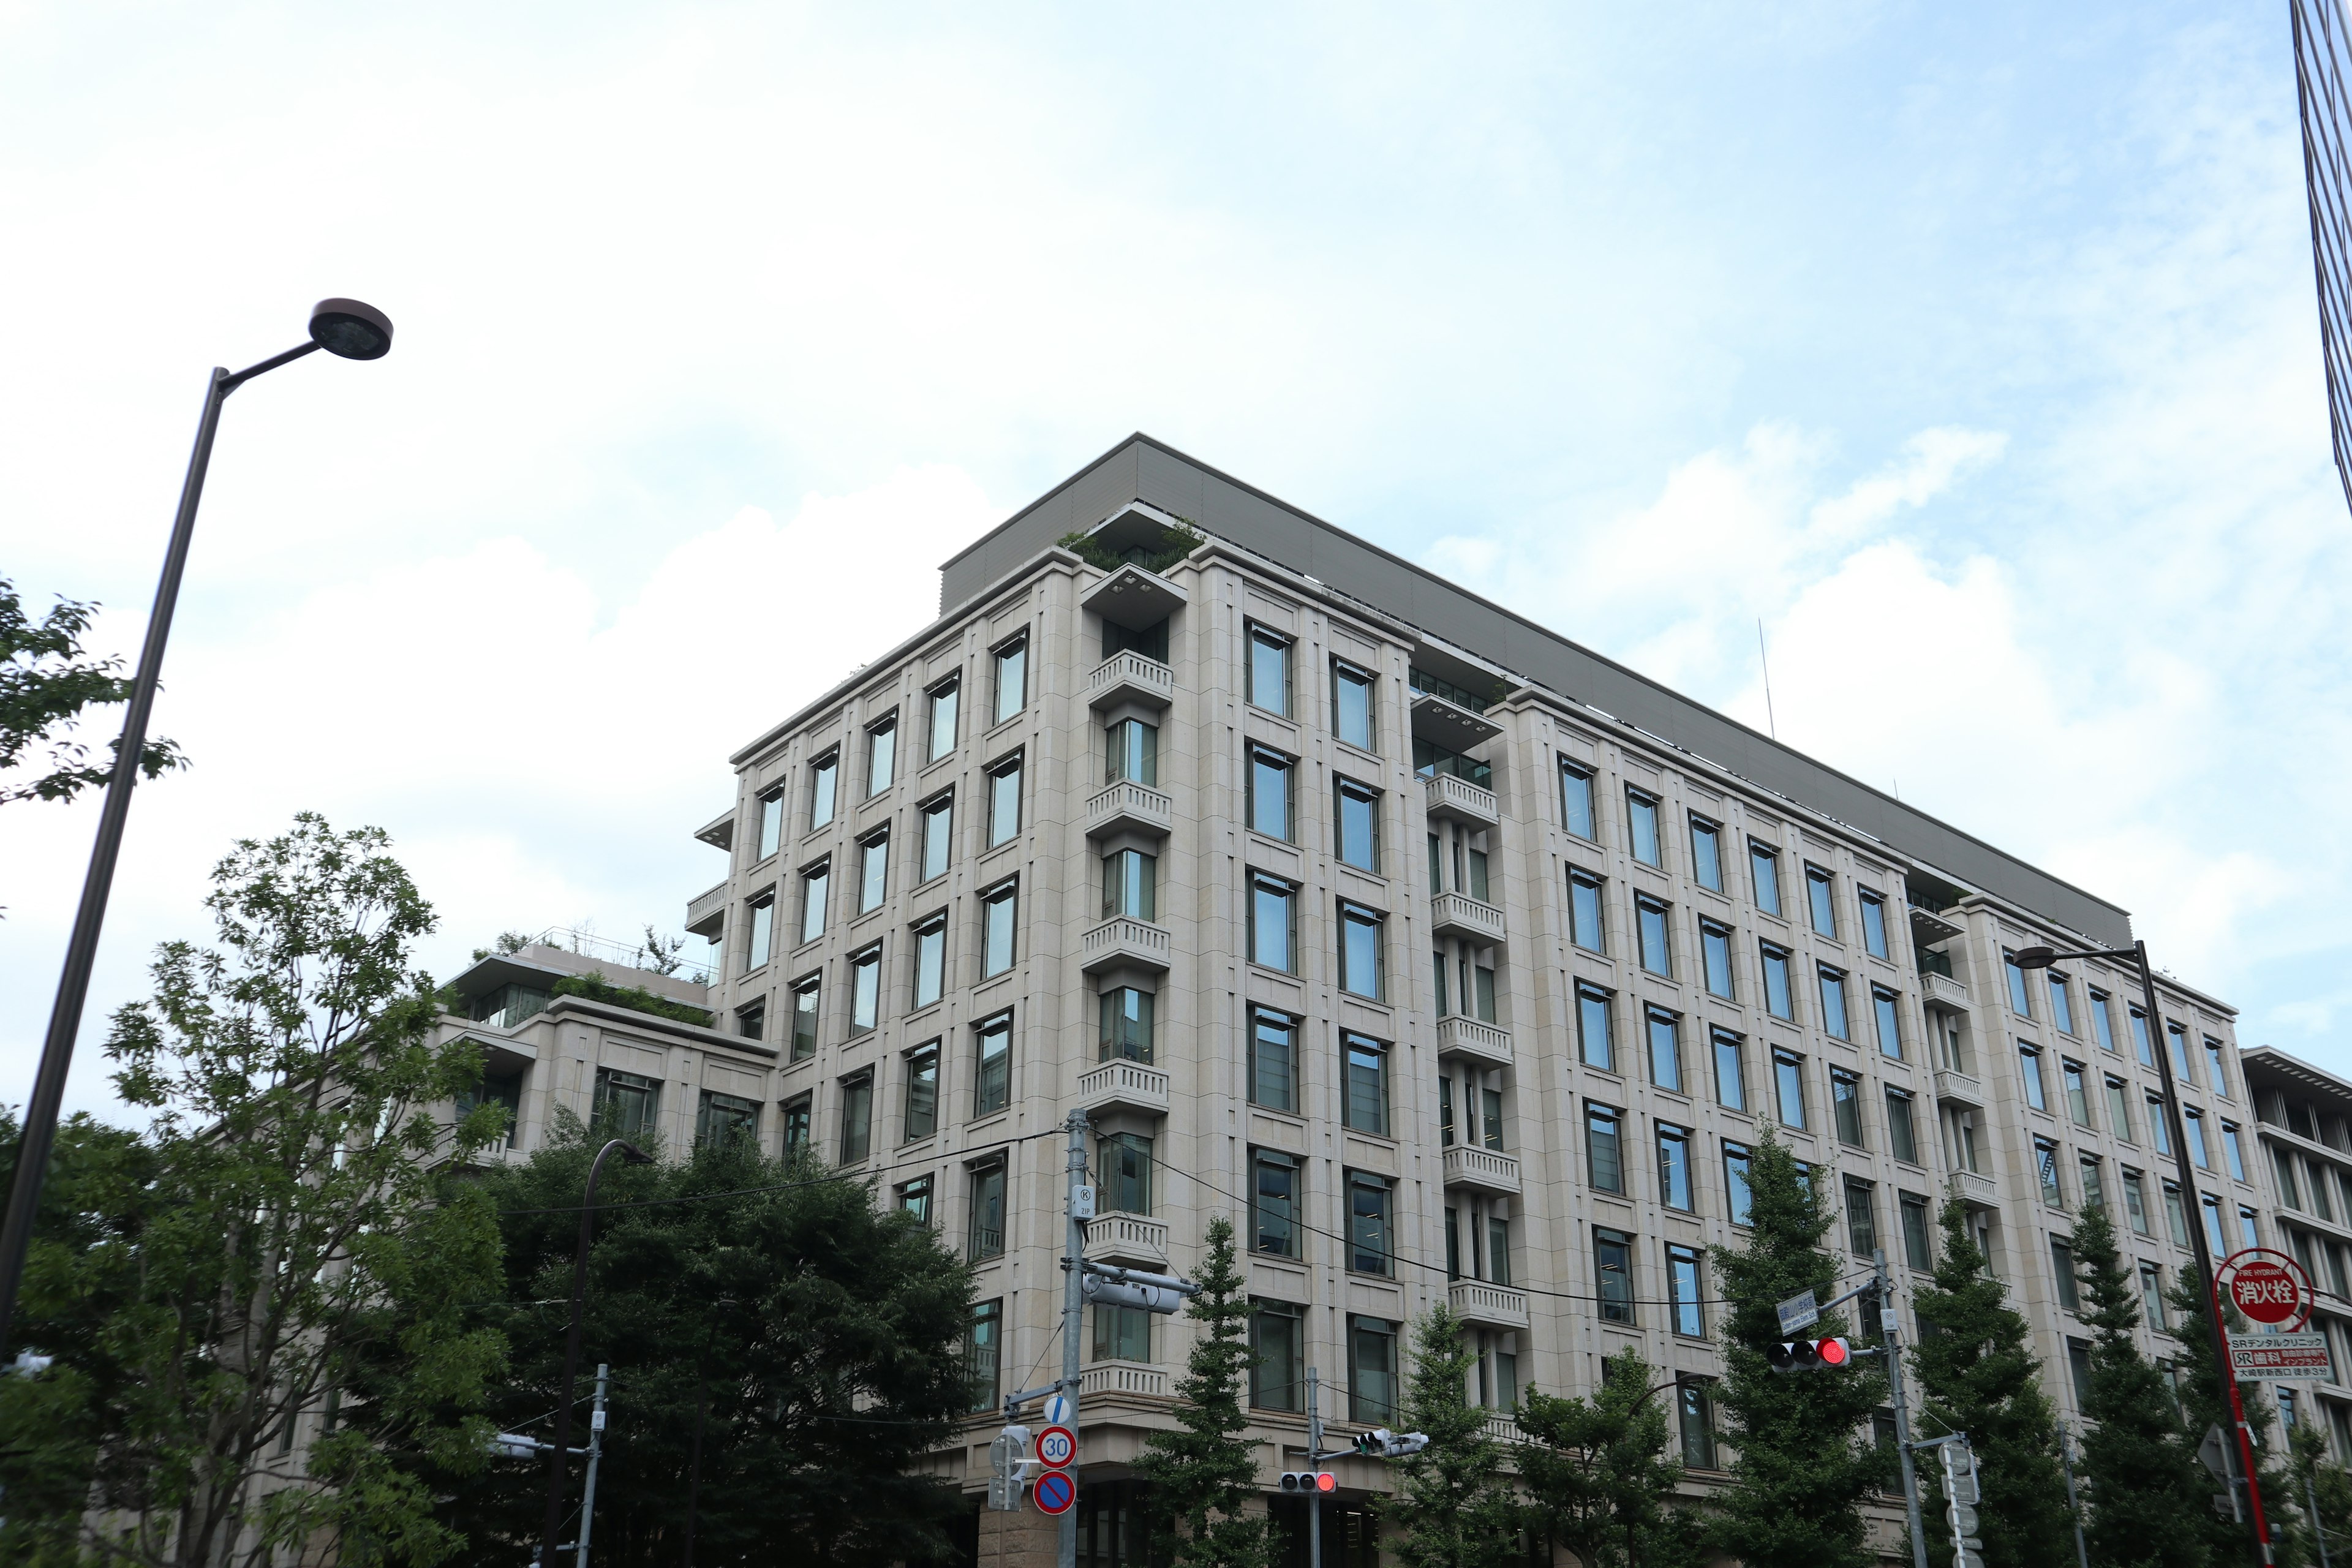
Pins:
<point x="1124" y="806"/>
<point x="1480" y="1042"/>
<point x="1459" y="914"/>
<point x="1489" y="1170"/>
<point x="1475" y="1301"/>
<point x="1127" y="1377"/>
<point x="1976" y="1187"/>
<point x="1960" y="1088"/>
<point x="1124" y="1086"/>
<point x="1124" y="940"/>
<point x="1444" y="794"/>
<point x="1127" y="1238"/>
<point x="1130" y="676"/>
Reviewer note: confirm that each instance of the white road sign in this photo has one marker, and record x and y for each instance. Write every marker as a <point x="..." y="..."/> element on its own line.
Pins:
<point x="1798" y="1312"/>
<point x="1057" y="1410"/>
<point x="2264" y="1357"/>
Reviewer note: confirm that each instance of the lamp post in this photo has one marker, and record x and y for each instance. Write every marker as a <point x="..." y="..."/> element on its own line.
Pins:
<point x="2192" y="1200"/>
<point x="348" y="329"/>
<point x="633" y="1155"/>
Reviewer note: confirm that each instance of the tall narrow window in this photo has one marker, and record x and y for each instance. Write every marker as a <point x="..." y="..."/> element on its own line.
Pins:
<point x="1888" y="1018"/>
<point x="1789" y="1084"/>
<point x="1730" y="1078"/>
<point x="943" y="716"/>
<point x="881" y="755"/>
<point x="983" y="1351"/>
<point x="1576" y="800"/>
<point x="2029" y="1066"/>
<point x="1359" y="816"/>
<point x="1592" y="1028"/>
<point x="1011" y="661"/>
<point x="2020" y="1000"/>
<point x="812" y="890"/>
<point x="2193" y="1121"/>
<point x="1273" y="935"/>
<point x="1683" y="1294"/>
<point x="1780" y="998"/>
<point x="992" y="1083"/>
<point x="2118" y="1110"/>
<point x="2214" y="1075"/>
<point x="1874" y="922"/>
<point x="1612" y="1270"/>
<point x="627" y="1103"/>
<point x="1604" y="1147"/>
<point x="1126" y="1025"/>
<point x="2062" y="1005"/>
<point x="1706" y="854"/>
<point x="1764" y="871"/>
<point x="1351" y="705"/>
<point x="1269" y="794"/>
<point x="2078" y="1093"/>
<point x="1673" y="1168"/>
<point x="2092" y="1173"/>
<point x="1369" y="1250"/>
<point x="2177" y="1038"/>
<point x="796" y="1125"/>
<point x="1123" y="1161"/>
<point x="1917" y="1251"/>
<point x="2045" y="1166"/>
<point x="1371" y="1371"/>
<point x="1694" y="1415"/>
<point x="1818" y="902"/>
<point x="1490" y="1119"/>
<point x="824" y="777"/>
<point x="939" y="833"/>
<point x="1715" y="957"/>
<point x="2102" y="1023"/>
<point x="1833" y="1019"/>
<point x="2233" y="1149"/>
<point x="1269" y="670"/>
<point x="1642" y="826"/>
<point x="1657" y="955"/>
<point x="921" y="1116"/>
<point x="2159" y="1126"/>
<point x="915" y="1198"/>
<point x="1665" y="1048"/>
<point x="805" y="997"/>
<point x="1003" y="801"/>
<point x="1364" y="1105"/>
<point x="2151" y="1296"/>
<point x="1274" y="1203"/>
<point x="866" y="989"/>
<point x="1131" y="753"/>
<point x="987" y="1239"/>
<point x="1359" y="952"/>
<point x="1584" y="926"/>
<point x="930" y="960"/>
<point x="873" y="871"/>
<point x="1861" y="1217"/>
<point x="1130" y="880"/>
<point x="857" y="1118"/>
<point x="1902" y="1134"/>
<point x="2135" y="1202"/>
<point x="2140" y="1038"/>
<point x="760" y="941"/>
<point x="1846" y="1101"/>
<point x="998" y="910"/>
<point x="1278" y="1355"/>
<point x="1273" y="1061"/>
<point x="1741" y="1197"/>
<point x="771" y="822"/>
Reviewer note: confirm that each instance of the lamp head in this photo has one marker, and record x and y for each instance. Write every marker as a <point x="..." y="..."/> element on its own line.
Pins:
<point x="634" y="1155"/>
<point x="350" y="330"/>
<point x="2035" y="957"/>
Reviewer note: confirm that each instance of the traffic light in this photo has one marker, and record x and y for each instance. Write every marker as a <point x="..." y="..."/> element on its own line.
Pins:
<point x="1810" y="1355"/>
<point x="1383" y="1444"/>
<point x="1961" y="1494"/>
<point x="1321" y="1481"/>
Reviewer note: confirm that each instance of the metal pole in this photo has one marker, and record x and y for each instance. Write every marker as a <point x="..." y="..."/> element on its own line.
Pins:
<point x="1073" y="1307"/>
<point x="555" y="1466"/>
<point x="2318" y="1531"/>
<point x="2193" y="1209"/>
<point x="2074" y="1508"/>
<point x="701" y="1417"/>
<point x="595" y="1452"/>
<point x="1314" y="1462"/>
<point x="1890" y="1330"/>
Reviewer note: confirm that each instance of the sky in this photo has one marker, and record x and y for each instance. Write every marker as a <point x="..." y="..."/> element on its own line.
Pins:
<point x="1971" y="351"/>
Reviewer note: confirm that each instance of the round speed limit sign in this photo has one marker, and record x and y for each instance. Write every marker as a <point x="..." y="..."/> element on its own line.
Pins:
<point x="1057" y="1447"/>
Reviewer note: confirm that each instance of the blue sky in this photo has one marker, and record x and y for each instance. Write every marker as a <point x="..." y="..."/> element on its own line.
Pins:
<point x="1972" y="350"/>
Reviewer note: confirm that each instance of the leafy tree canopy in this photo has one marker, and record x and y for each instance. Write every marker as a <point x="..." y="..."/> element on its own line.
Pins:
<point x="1450" y="1505"/>
<point x="1204" y="1475"/>
<point x="45" y="682"/>
<point x="1596" y="1475"/>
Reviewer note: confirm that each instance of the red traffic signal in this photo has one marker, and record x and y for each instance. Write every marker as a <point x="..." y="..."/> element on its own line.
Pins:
<point x="1809" y="1355"/>
<point x="1322" y="1481"/>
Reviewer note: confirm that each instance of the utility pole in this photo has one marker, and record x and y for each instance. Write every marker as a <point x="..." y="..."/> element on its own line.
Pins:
<point x="2074" y="1508"/>
<point x="1073" y="1302"/>
<point x="1314" y="1462"/>
<point x="1891" y="1333"/>
<point x="2318" y="1531"/>
<point x="595" y="1452"/>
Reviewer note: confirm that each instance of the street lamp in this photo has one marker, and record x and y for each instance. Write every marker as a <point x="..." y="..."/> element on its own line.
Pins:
<point x="348" y="329"/>
<point x="633" y="1155"/>
<point x="2192" y="1200"/>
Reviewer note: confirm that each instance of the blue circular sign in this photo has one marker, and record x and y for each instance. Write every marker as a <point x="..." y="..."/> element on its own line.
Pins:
<point x="1055" y="1493"/>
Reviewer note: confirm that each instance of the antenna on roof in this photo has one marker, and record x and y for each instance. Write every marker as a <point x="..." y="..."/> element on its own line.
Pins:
<point x="1770" y="722"/>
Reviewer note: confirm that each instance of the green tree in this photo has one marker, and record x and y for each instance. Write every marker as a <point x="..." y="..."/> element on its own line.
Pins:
<point x="2148" y="1494"/>
<point x="1450" y="1503"/>
<point x="45" y="682"/>
<point x="1805" y="1452"/>
<point x="2204" y="1403"/>
<point x="2318" y="1477"/>
<point x="1596" y="1475"/>
<point x="816" y="1335"/>
<point x="1203" y="1475"/>
<point x="1978" y="1374"/>
<point x="286" y="1225"/>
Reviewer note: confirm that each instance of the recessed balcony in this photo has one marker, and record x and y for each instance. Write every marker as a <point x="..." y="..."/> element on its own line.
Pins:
<point x="1472" y="1040"/>
<point x="1123" y="941"/>
<point x="1130" y="676"/>
<point x="1131" y="1239"/>
<point x="1122" y="1085"/>
<point x="1496" y="1306"/>
<point x="1960" y="1088"/>
<point x="1126" y="807"/>
<point x="1134" y="597"/>
<point x="1444" y="796"/>
<point x="1459" y="914"/>
<point x="1486" y="1170"/>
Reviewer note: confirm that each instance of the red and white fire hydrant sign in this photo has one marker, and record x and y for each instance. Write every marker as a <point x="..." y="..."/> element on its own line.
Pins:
<point x="2269" y="1287"/>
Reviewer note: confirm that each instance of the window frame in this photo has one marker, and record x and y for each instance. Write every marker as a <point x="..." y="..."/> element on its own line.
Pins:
<point x="1763" y="873"/>
<point x="1259" y="757"/>
<point x="1588" y="888"/>
<point x="1344" y="790"/>
<point x="1257" y="635"/>
<point x="1263" y="1160"/>
<point x="1341" y="670"/>
<point x="938" y="817"/>
<point x="930" y="960"/>
<point x="992" y="1084"/>
<point x="1354" y="1181"/>
<point x="865" y="990"/>
<point x="922" y="1071"/>
<point x="824" y="788"/>
<point x="1004" y="768"/>
<point x="1642" y="808"/>
<point x="1266" y="885"/>
<point x="1820" y="901"/>
<point x="882" y="755"/>
<point x="1355" y="918"/>
<point x="1603" y="1122"/>
<point x="1005" y="895"/>
<point x="1872" y="905"/>
<point x="1653" y="1017"/>
<point x="1353" y="1042"/>
<point x="952" y="689"/>
<point x="1711" y="856"/>
<point x="857" y="1121"/>
<point x="1719" y="1041"/>
<point x="1651" y="913"/>
<point x="1583" y="779"/>
<point x="812" y="986"/>
<point x="1593" y="1001"/>
<point x="1290" y="1025"/>
<point x="874" y="870"/>
<point x="1011" y="652"/>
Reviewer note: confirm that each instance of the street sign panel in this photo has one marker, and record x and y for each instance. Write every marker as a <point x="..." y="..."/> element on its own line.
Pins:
<point x="2264" y="1358"/>
<point x="1799" y="1311"/>
<point x="2268" y="1286"/>
<point x="2212" y="1454"/>
<point x="1057" y="1447"/>
<point x="1057" y="1410"/>
<point x="1055" y="1493"/>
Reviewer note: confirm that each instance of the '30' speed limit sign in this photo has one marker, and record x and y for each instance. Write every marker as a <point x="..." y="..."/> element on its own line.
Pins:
<point x="1057" y="1447"/>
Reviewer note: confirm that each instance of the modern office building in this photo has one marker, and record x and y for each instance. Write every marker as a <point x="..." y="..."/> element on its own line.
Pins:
<point x="2303" y="1120"/>
<point x="1453" y="961"/>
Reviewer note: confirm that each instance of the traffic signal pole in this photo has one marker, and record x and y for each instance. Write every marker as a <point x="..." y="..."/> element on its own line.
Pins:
<point x="1073" y="1307"/>
<point x="1314" y="1462"/>
<point x="1890" y="1335"/>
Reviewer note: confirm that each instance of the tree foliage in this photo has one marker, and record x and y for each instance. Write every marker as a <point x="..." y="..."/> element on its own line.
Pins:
<point x="45" y="682"/>
<point x="1805" y="1453"/>
<point x="1204" y="1475"/>
<point x="1597" y="1478"/>
<point x="2205" y="1403"/>
<point x="1979" y="1375"/>
<point x="1450" y="1505"/>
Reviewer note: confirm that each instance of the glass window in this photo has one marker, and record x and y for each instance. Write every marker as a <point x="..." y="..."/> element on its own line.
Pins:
<point x="1359" y="816"/>
<point x="1665" y="1048"/>
<point x="2135" y="1202"/>
<point x="1833" y="1020"/>
<point x="2192" y="1121"/>
<point x="1269" y="794"/>
<point x="1583" y="910"/>
<point x="2215" y="1236"/>
<point x="2151" y="1296"/>
<point x="1741" y="1196"/>
<point x="2250" y="1234"/>
<point x="771" y="822"/>
<point x="1274" y="1204"/>
<point x="983" y="1348"/>
<point x="1686" y="1306"/>
<point x="1369" y="1224"/>
<point x="2140" y="1041"/>
<point x="856" y="1119"/>
<point x="1642" y="824"/>
<point x="1917" y="1250"/>
<point x="2062" y="1003"/>
<point x="1123" y="1161"/>
<point x="2078" y="1097"/>
<point x="1273" y="1061"/>
<point x="1122" y="1333"/>
<point x="1694" y="1418"/>
<point x="2045" y="1166"/>
<point x="1131" y="885"/>
<point x="2102" y="1025"/>
<point x="1674" y="1168"/>
<point x="796" y="1125"/>
<point x="1845" y="1103"/>
<point x="873" y="871"/>
<point x="1603" y="1147"/>
<point x="1365" y="1106"/>
<point x="1706" y="854"/>
<point x="1818" y="902"/>
<point x="1003" y="802"/>
<point x="2159" y="1126"/>
<point x="992" y="1085"/>
<point x="1873" y="922"/>
<point x="2280" y="1164"/>
<point x="1861" y="1217"/>
<point x="824" y="775"/>
<point x="1490" y="1118"/>
<point x="1131" y="753"/>
<point x="1789" y="1082"/>
<point x="1902" y="1133"/>
<point x="1272" y="941"/>
<point x="723" y="1117"/>
<point x="2062" y="1273"/>
<point x="2118" y="1110"/>
<point x="1576" y="800"/>
<point x="987" y="1238"/>
<point x="759" y="945"/>
<point x="2214" y="1075"/>
<point x="1278" y="1355"/>
<point x="1126" y="1025"/>
<point x="1650" y="918"/>
<point x="1351" y="705"/>
<point x="1269" y="670"/>
<point x="1778" y="998"/>
<point x="2029" y="1067"/>
<point x="998" y="911"/>
<point x="1372" y="1372"/>
<point x="938" y="823"/>
<point x="1012" y="663"/>
<point x="805" y="995"/>
<point x="2179" y="1039"/>
<point x="1889" y="1018"/>
<point x="1764" y="871"/>
<point x="930" y="960"/>
<point x="921" y="1117"/>
<point x="1613" y="1269"/>
<point x="866" y="991"/>
<point x="1715" y="956"/>
<point x="943" y="717"/>
<point x="915" y="1198"/>
<point x="626" y="1103"/>
<point x="2088" y="1170"/>
<point x="881" y="755"/>
<point x="813" y="897"/>
<point x="2233" y="1150"/>
<point x="1592" y="1028"/>
<point x="1730" y="1079"/>
<point x="1359" y="952"/>
<point x="2020" y="1000"/>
